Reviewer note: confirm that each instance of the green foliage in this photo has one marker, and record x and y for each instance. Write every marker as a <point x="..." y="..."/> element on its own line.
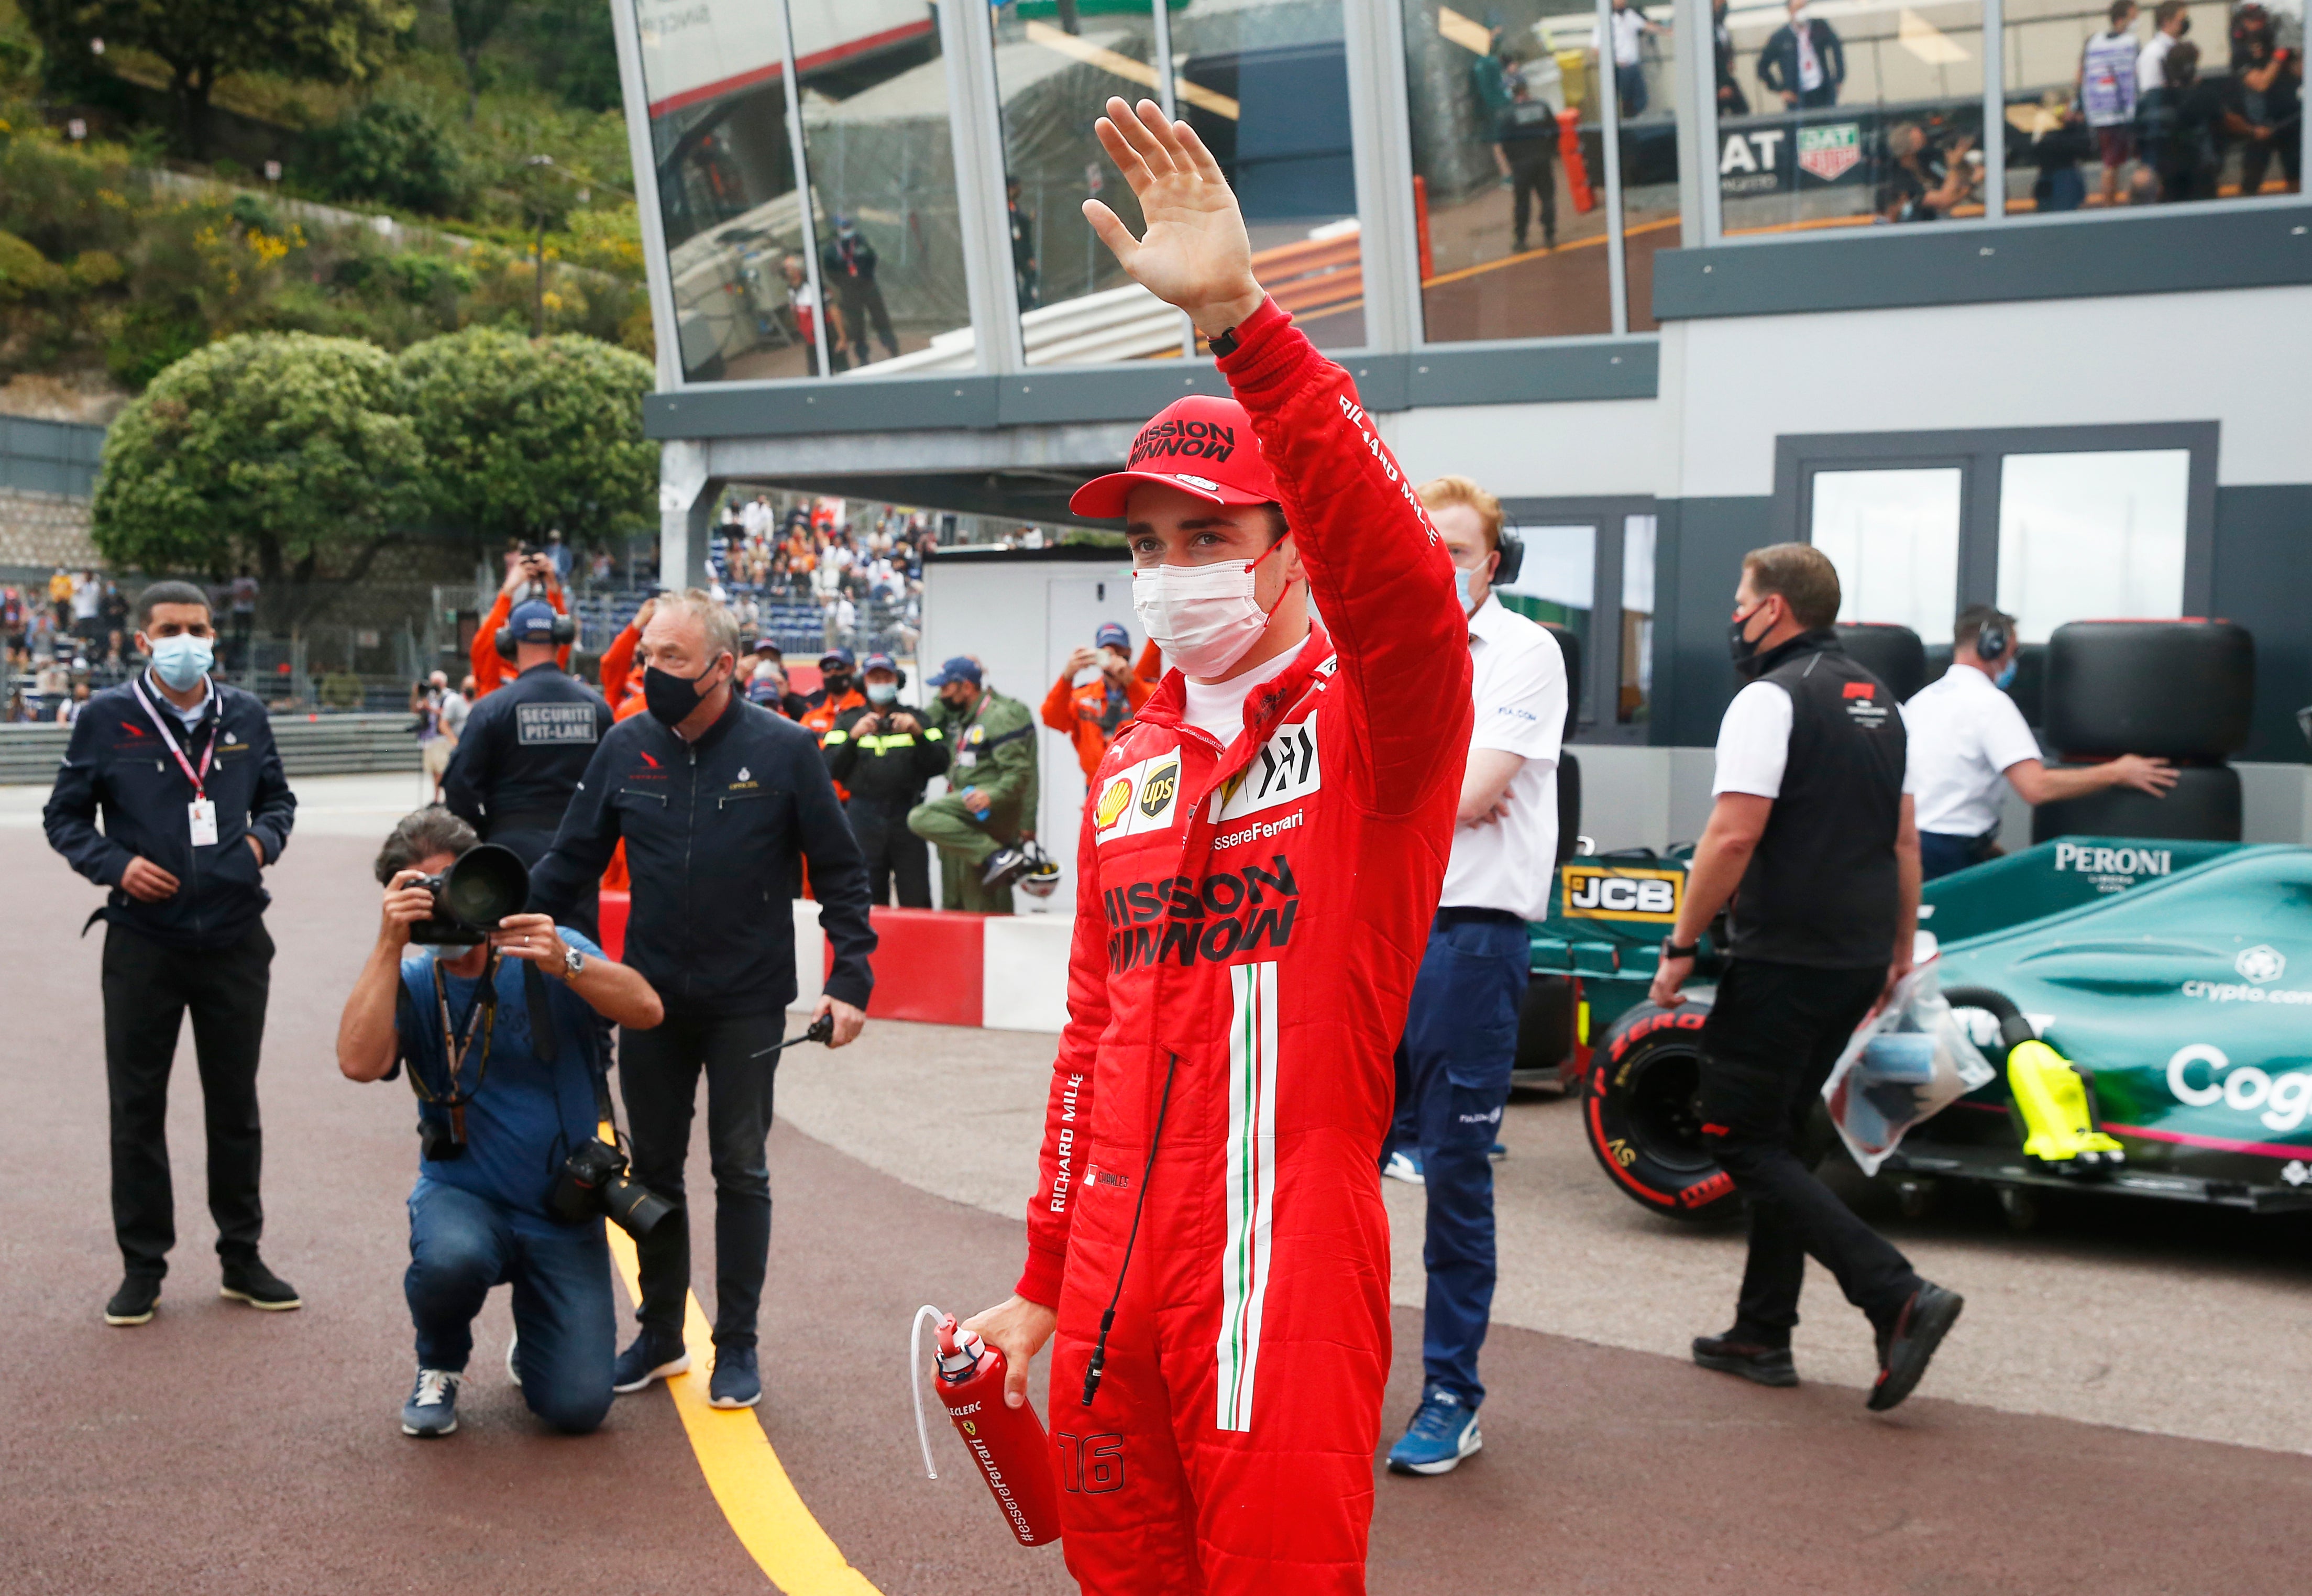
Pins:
<point x="395" y="154"/>
<point x="526" y="434"/>
<point x="341" y="692"/>
<point x="295" y="453"/>
<point x="25" y="273"/>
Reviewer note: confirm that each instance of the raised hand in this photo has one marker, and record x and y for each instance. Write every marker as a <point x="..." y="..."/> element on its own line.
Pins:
<point x="1195" y="254"/>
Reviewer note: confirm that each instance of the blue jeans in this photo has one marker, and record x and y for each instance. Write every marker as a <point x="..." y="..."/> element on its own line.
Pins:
<point x="1460" y="1043"/>
<point x="1630" y="91"/>
<point x="461" y="1245"/>
<point x="1941" y="853"/>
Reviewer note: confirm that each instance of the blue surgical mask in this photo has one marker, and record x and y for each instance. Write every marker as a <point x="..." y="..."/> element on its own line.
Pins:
<point x="2006" y="677"/>
<point x="181" y="661"/>
<point x="1461" y="589"/>
<point x="882" y="692"/>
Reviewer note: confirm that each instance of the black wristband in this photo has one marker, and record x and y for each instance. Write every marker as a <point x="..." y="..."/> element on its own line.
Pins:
<point x="1223" y="343"/>
<point x="1670" y="950"/>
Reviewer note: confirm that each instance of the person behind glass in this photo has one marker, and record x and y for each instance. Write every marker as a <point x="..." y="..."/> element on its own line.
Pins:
<point x="1732" y="101"/>
<point x="1026" y="279"/>
<point x="1803" y="61"/>
<point x="1091" y="716"/>
<point x="1629" y="27"/>
<point x="194" y="805"/>
<point x="848" y="262"/>
<point x="881" y="756"/>
<point x="1813" y="820"/>
<point x="720" y="803"/>
<point x="1966" y="736"/>
<point x="803" y="305"/>
<point x="2178" y="123"/>
<point x="1460" y="1036"/>
<point x="1524" y="148"/>
<point x="1923" y="183"/>
<point x="499" y="1041"/>
<point x="511" y="775"/>
<point x="2105" y="90"/>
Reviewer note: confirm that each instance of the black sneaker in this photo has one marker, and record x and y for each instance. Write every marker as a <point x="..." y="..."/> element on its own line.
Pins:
<point x="1004" y="866"/>
<point x="253" y="1284"/>
<point x="1760" y="1365"/>
<point x="646" y="1359"/>
<point x="133" y="1303"/>
<point x="1905" y="1350"/>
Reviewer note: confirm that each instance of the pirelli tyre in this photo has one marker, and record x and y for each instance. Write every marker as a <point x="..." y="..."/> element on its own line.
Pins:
<point x="1893" y="653"/>
<point x="2177" y="690"/>
<point x="2202" y="806"/>
<point x="1638" y="1108"/>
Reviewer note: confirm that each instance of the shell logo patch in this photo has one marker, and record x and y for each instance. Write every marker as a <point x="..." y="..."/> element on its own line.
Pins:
<point x="1112" y="802"/>
<point x="1156" y="792"/>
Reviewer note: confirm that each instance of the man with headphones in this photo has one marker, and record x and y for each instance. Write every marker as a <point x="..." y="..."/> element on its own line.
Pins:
<point x="1966" y="735"/>
<point x="526" y="745"/>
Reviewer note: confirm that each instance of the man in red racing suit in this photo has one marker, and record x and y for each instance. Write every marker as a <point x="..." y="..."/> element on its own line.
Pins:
<point x="1251" y="911"/>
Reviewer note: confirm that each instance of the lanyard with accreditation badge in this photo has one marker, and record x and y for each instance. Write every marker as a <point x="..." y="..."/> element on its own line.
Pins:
<point x="201" y="810"/>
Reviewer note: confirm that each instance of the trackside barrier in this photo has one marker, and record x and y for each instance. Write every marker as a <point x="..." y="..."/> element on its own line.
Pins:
<point x="310" y="744"/>
<point x="1001" y="972"/>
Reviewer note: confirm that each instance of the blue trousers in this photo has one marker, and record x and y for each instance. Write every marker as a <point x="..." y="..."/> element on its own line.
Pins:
<point x="1460" y="1042"/>
<point x="1941" y="853"/>
<point x="461" y="1244"/>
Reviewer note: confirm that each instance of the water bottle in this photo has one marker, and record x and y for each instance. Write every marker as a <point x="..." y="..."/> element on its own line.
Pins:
<point x="1007" y="1444"/>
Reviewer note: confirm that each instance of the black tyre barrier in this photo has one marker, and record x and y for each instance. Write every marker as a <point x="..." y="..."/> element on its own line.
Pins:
<point x="2179" y="689"/>
<point x="1892" y="653"/>
<point x="1639" y="1113"/>
<point x="2202" y="806"/>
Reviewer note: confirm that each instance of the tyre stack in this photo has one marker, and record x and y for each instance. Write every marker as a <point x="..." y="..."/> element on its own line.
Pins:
<point x="2182" y="691"/>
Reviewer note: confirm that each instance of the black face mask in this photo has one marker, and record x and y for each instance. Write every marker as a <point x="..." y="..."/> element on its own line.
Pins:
<point x="672" y="698"/>
<point x="836" y="685"/>
<point x="1744" y="651"/>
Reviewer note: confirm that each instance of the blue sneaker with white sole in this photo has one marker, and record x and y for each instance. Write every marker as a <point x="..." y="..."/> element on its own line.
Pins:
<point x="1442" y="1432"/>
<point x="737" y="1382"/>
<point x="431" y="1409"/>
<point x="648" y="1359"/>
<point x="1403" y="1166"/>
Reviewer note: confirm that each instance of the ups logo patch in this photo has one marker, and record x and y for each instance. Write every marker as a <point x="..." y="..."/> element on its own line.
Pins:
<point x="1157" y="792"/>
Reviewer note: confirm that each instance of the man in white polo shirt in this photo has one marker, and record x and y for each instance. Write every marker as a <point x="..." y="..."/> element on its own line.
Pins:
<point x="1966" y="735"/>
<point x="1461" y="1038"/>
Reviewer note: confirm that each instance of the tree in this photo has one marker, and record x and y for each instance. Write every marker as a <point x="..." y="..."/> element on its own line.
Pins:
<point x="335" y="41"/>
<point x="525" y="435"/>
<point x="475" y="21"/>
<point x="291" y="453"/>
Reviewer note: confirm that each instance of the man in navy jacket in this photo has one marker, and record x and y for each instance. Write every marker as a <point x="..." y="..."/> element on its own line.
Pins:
<point x="195" y="806"/>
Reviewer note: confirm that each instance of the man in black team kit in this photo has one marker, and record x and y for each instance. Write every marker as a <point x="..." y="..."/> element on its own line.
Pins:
<point x="720" y="802"/>
<point x="883" y="756"/>
<point x="526" y="746"/>
<point x="1815" y="822"/>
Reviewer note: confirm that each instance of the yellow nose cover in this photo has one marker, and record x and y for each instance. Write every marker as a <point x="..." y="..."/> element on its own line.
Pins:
<point x="2053" y="1103"/>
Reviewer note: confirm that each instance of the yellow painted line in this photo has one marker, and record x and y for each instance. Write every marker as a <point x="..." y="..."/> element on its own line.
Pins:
<point x="750" y="1485"/>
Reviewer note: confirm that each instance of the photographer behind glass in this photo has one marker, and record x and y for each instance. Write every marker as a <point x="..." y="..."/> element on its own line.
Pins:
<point x="512" y="1177"/>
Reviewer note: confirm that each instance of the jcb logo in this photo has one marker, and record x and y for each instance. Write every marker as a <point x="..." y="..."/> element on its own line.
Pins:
<point x="1594" y="894"/>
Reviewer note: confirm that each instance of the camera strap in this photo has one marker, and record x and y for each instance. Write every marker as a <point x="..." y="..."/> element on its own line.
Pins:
<point x="482" y="1013"/>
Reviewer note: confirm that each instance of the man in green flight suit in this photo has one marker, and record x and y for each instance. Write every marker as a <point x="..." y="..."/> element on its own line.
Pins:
<point x="977" y="824"/>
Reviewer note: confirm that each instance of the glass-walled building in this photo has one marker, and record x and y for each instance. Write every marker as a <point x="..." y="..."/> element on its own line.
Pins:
<point x="2003" y="301"/>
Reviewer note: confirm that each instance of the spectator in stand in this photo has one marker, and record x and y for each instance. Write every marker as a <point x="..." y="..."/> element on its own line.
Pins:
<point x="1732" y="101"/>
<point x="848" y="262"/>
<point x="1803" y="61"/>
<point x="12" y="624"/>
<point x="1921" y="183"/>
<point x="557" y="553"/>
<point x="69" y="710"/>
<point x="978" y="823"/>
<point x="88" y="593"/>
<point x="1091" y="715"/>
<point x="2170" y="21"/>
<point x="841" y="621"/>
<point x="60" y="598"/>
<point x="1630" y="27"/>
<point x="530" y="576"/>
<point x="111" y="608"/>
<point x="1524" y="149"/>
<point x="881" y="757"/>
<point x="434" y="748"/>
<point x="2106" y="89"/>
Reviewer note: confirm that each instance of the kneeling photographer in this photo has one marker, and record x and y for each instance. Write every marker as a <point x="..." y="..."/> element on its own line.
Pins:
<point x="491" y="1013"/>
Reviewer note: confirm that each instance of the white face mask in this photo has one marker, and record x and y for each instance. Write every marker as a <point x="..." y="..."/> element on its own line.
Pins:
<point x="1204" y="618"/>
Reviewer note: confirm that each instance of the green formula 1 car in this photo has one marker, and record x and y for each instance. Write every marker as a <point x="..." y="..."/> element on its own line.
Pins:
<point x="2170" y="981"/>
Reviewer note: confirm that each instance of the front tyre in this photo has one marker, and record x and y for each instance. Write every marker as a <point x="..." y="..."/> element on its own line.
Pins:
<point x="1640" y="1113"/>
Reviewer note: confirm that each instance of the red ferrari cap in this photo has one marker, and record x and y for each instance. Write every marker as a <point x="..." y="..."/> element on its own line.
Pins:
<point x="1199" y="444"/>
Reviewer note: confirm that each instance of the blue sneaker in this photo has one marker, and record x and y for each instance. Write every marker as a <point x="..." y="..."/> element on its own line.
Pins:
<point x="1497" y="1152"/>
<point x="1404" y="1166"/>
<point x="433" y="1407"/>
<point x="648" y="1359"/>
<point x="1443" y="1432"/>
<point x="736" y="1383"/>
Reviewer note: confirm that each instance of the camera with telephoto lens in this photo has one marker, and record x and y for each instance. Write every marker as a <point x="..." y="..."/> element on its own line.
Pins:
<point x="594" y="1181"/>
<point x="486" y="885"/>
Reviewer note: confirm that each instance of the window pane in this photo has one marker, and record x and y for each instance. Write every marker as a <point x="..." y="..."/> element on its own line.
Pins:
<point x="1635" y="704"/>
<point x="2091" y="536"/>
<point x="1076" y="304"/>
<point x="1894" y="537"/>
<point x="2158" y="113"/>
<point x="1512" y="228"/>
<point x="1265" y="85"/>
<point x="1645" y="86"/>
<point x="1846" y="114"/>
<point x="718" y="118"/>
<point x="1557" y="582"/>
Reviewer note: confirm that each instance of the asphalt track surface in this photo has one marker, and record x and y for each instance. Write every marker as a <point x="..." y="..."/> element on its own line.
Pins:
<point x="223" y="1450"/>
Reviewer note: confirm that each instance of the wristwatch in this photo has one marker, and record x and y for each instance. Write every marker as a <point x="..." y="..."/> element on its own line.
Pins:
<point x="573" y="961"/>
<point x="1670" y="950"/>
<point x="1223" y="343"/>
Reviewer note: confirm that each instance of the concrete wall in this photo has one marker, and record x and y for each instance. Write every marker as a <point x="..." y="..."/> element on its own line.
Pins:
<point x="42" y="531"/>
